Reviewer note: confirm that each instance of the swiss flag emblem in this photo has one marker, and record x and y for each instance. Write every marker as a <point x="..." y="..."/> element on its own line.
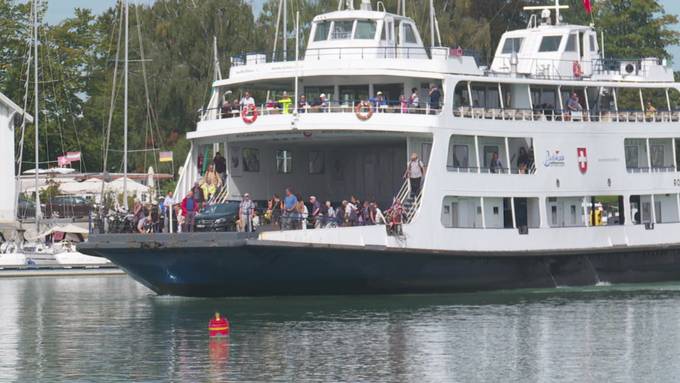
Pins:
<point x="582" y="156"/>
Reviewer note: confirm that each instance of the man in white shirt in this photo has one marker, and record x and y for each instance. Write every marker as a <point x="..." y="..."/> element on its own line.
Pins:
<point x="415" y="170"/>
<point x="247" y="100"/>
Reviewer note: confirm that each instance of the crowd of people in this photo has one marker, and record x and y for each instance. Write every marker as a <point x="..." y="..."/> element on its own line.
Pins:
<point x="288" y="213"/>
<point x="286" y="105"/>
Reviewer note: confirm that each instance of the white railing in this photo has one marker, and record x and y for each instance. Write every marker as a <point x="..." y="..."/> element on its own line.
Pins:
<point x="403" y="196"/>
<point x="564" y="115"/>
<point x="345" y="108"/>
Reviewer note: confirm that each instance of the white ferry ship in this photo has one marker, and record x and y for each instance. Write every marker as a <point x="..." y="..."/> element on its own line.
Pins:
<point x="537" y="173"/>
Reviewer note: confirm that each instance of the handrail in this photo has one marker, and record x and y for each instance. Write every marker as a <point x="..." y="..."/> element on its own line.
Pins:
<point x="562" y="115"/>
<point x="384" y="52"/>
<point x="549" y="68"/>
<point x="332" y="107"/>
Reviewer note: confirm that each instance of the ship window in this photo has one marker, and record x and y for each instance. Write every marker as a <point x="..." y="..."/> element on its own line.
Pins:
<point x="365" y="30"/>
<point x="409" y="36"/>
<point x="572" y="45"/>
<point x="550" y="44"/>
<point x="593" y="47"/>
<point x="512" y="45"/>
<point x="342" y="30"/>
<point x="461" y="156"/>
<point x="322" y="29"/>
<point x="316" y="163"/>
<point x="284" y="162"/>
<point x="251" y="160"/>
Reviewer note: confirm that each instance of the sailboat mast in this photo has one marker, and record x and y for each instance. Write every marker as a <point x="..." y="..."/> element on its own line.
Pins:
<point x="125" y="113"/>
<point x="38" y="211"/>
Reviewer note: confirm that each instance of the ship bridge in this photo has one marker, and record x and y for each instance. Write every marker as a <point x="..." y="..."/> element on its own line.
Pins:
<point x="550" y="49"/>
<point x="364" y="33"/>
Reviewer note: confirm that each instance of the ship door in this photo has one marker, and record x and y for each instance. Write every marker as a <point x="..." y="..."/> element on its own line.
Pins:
<point x="585" y="53"/>
<point x="556" y="214"/>
<point x="391" y="44"/>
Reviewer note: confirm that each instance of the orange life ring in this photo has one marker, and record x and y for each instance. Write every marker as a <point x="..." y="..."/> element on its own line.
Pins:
<point x="249" y="114"/>
<point x="576" y="68"/>
<point x="361" y="115"/>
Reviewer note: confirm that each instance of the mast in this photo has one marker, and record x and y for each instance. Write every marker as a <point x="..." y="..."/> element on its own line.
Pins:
<point x="432" y="23"/>
<point x="297" y="58"/>
<point x="38" y="211"/>
<point x="125" y="113"/>
<point x="285" y="32"/>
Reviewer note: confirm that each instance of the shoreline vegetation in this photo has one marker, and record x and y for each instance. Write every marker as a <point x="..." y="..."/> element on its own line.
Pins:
<point x="78" y="55"/>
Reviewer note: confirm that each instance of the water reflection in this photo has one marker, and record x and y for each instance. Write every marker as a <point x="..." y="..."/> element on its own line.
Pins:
<point x="112" y="329"/>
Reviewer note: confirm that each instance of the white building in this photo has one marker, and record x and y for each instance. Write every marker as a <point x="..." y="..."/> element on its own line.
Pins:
<point x="10" y="119"/>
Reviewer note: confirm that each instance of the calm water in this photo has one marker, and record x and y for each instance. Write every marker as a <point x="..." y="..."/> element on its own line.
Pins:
<point x="112" y="329"/>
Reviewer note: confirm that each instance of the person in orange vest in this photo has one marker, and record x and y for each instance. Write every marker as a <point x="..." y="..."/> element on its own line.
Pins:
<point x="218" y="326"/>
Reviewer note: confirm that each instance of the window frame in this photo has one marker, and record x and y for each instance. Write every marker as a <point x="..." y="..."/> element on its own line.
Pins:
<point x="512" y="47"/>
<point x="316" y="30"/>
<point x="282" y="166"/>
<point x="541" y="46"/>
<point x="356" y="29"/>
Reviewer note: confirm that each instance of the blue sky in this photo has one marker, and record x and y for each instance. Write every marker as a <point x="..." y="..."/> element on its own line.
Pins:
<point x="60" y="9"/>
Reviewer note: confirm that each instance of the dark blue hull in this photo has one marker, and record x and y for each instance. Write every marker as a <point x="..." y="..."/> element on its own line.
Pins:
<point x="206" y="265"/>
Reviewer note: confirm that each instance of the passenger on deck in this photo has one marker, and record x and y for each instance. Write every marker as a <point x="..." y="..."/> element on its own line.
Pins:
<point x="351" y="212"/>
<point x="220" y="165"/>
<point x="403" y="104"/>
<point x="366" y="214"/>
<point x="415" y="170"/>
<point x="226" y="106"/>
<point x="376" y="214"/>
<point x="289" y="205"/>
<point x="141" y="214"/>
<point x="323" y="102"/>
<point x="435" y="96"/>
<point x="190" y="207"/>
<point x="523" y="161"/>
<point x="380" y="103"/>
<point x="275" y="210"/>
<point x="166" y="210"/>
<point x="246" y="101"/>
<point x="495" y="165"/>
<point x="328" y="213"/>
<point x="574" y="106"/>
<point x="198" y="194"/>
<point x="414" y="100"/>
<point x="178" y="218"/>
<point x="285" y="102"/>
<point x="650" y="111"/>
<point x="212" y="176"/>
<point x="302" y="104"/>
<point x="209" y="189"/>
<point x="302" y="212"/>
<point x="316" y="211"/>
<point x="246" y="213"/>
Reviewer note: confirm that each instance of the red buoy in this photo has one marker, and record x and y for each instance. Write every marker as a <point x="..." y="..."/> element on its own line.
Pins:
<point x="218" y="326"/>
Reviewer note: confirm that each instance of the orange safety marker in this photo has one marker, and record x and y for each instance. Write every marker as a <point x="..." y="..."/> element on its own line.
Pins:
<point x="218" y="326"/>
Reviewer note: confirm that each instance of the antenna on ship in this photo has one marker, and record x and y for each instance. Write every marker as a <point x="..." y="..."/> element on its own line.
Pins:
<point x="546" y="10"/>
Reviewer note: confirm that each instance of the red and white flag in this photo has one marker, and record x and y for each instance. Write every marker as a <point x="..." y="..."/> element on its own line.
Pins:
<point x="73" y="156"/>
<point x="588" y="6"/>
<point x="582" y="157"/>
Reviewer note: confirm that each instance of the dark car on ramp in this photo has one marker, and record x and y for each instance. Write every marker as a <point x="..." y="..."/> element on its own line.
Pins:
<point x="218" y="217"/>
